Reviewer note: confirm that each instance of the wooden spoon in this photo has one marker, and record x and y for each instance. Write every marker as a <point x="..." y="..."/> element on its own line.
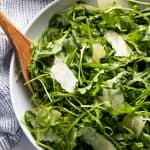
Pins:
<point x="21" y="43"/>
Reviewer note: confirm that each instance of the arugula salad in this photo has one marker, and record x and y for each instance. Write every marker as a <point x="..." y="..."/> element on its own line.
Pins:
<point x="90" y="72"/>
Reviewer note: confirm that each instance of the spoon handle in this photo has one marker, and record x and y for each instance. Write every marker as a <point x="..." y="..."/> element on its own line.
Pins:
<point x="21" y="43"/>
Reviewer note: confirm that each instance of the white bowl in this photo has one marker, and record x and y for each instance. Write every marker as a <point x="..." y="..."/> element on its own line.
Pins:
<point x="20" y="96"/>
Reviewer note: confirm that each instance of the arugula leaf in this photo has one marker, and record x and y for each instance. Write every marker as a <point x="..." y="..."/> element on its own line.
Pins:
<point x="106" y="103"/>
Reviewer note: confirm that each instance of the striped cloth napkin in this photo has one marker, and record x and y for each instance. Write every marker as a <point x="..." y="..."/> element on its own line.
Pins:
<point x="20" y="12"/>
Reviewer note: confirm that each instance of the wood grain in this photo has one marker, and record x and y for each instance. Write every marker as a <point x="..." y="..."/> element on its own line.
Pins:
<point x="21" y="43"/>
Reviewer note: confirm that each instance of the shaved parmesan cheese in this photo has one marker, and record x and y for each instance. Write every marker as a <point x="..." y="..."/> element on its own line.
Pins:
<point x="98" y="52"/>
<point x="136" y="123"/>
<point x="109" y="83"/>
<point x="48" y="136"/>
<point x="96" y="140"/>
<point x="103" y="4"/>
<point x="91" y="3"/>
<point x="64" y="76"/>
<point x="114" y="98"/>
<point x="118" y="44"/>
<point x="60" y="58"/>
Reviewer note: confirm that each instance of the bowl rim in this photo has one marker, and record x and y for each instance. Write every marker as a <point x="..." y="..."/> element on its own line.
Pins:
<point x="11" y="68"/>
<point x="41" y="12"/>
